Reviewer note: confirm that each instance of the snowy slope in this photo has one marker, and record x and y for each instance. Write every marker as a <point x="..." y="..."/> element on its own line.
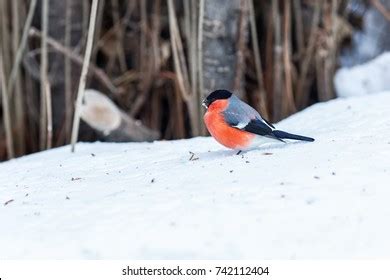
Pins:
<point x="368" y="78"/>
<point x="327" y="199"/>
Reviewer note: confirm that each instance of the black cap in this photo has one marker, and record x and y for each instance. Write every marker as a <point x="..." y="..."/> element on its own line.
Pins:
<point x="216" y="95"/>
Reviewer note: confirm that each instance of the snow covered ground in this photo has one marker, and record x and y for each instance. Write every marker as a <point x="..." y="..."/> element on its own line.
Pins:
<point x="327" y="199"/>
<point x="368" y="78"/>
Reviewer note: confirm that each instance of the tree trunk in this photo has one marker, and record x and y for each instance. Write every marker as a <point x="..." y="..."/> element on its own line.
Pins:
<point x="223" y="25"/>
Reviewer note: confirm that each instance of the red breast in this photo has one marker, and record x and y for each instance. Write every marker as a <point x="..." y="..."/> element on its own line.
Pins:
<point x="230" y="137"/>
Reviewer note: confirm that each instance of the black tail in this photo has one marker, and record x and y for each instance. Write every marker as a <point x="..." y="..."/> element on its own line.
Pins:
<point x="286" y="135"/>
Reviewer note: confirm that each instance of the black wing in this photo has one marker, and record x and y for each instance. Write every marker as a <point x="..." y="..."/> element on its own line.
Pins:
<point x="255" y="126"/>
<point x="258" y="127"/>
<point x="270" y="124"/>
<point x="262" y="128"/>
<point x="242" y="116"/>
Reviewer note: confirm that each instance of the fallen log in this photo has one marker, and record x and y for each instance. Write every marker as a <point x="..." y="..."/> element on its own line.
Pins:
<point x="114" y="125"/>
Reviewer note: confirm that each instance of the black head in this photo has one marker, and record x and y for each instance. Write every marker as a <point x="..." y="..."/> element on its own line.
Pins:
<point x="216" y="95"/>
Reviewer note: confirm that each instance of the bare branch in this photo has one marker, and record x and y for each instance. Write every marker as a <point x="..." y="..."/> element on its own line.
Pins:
<point x="6" y="111"/>
<point x="84" y="71"/>
<point x="381" y="8"/>
<point x="44" y="76"/>
<point x="104" y="79"/>
<point x="256" y="52"/>
<point x="23" y="41"/>
<point x="288" y="87"/>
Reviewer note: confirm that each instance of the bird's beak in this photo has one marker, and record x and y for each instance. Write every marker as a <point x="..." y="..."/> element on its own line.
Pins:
<point x="204" y="103"/>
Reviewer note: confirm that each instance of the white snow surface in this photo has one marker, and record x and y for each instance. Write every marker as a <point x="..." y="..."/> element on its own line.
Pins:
<point x="326" y="199"/>
<point x="368" y="78"/>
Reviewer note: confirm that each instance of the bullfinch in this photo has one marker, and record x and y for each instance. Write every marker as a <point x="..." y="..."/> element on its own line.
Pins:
<point x="236" y="125"/>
